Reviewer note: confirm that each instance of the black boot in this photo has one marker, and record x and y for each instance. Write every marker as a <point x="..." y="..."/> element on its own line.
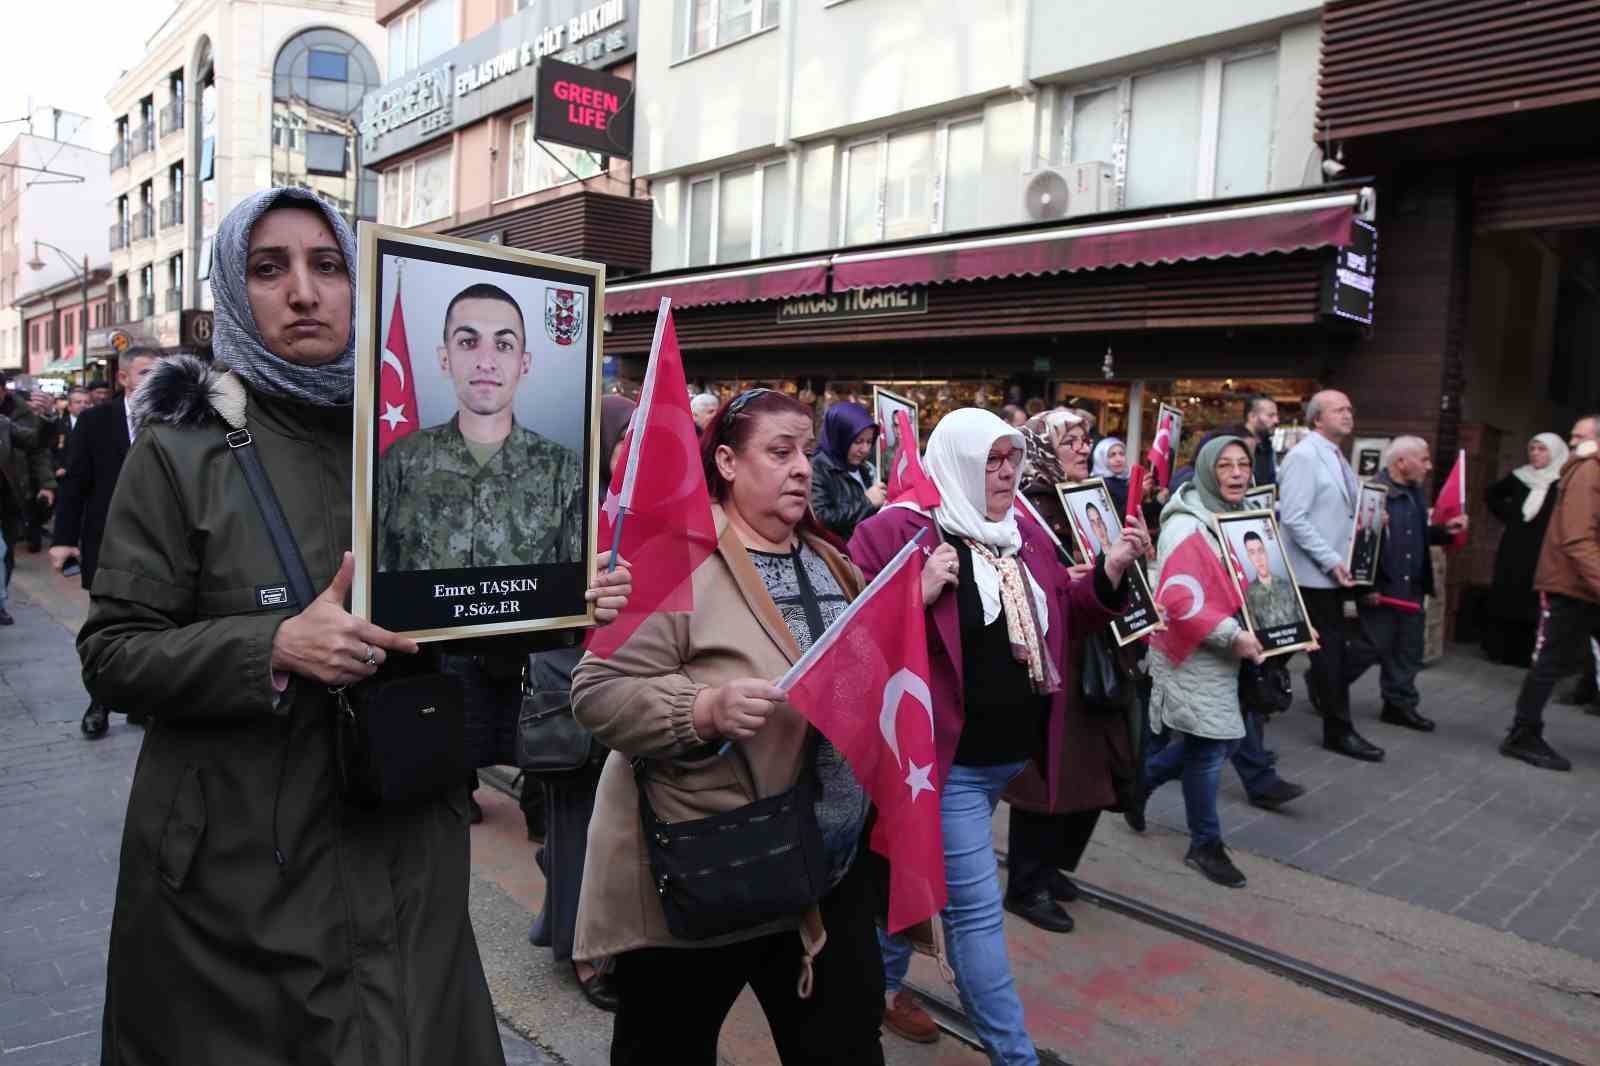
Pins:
<point x="1527" y="743"/>
<point x="95" y="722"/>
<point x="1213" y="861"/>
<point x="1277" y="794"/>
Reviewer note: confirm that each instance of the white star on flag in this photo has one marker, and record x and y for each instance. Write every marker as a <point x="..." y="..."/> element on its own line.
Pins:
<point x="917" y="779"/>
<point x="612" y="504"/>
<point x="394" y="415"/>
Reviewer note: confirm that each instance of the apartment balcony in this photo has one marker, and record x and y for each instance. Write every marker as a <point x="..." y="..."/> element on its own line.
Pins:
<point x="146" y="307"/>
<point x="174" y="300"/>
<point x="171" y="119"/>
<point x="141" y="141"/>
<point x="119" y="235"/>
<point x="119" y="156"/>
<point x="171" y="212"/>
<point x="144" y="225"/>
<point x="119" y="313"/>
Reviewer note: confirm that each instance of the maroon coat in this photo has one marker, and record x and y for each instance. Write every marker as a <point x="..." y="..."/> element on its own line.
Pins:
<point x="1073" y="607"/>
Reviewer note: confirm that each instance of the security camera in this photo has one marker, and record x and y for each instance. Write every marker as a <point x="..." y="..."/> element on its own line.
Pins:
<point x="1332" y="168"/>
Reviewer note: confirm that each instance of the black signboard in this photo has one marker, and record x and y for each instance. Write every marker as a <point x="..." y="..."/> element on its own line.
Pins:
<point x="1348" y="281"/>
<point x="194" y="329"/>
<point x="584" y="108"/>
<point x="853" y="303"/>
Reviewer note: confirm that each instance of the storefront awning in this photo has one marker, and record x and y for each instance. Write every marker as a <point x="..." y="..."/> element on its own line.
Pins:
<point x="775" y="281"/>
<point x="63" y="367"/>
<point x="1257" y="229"/>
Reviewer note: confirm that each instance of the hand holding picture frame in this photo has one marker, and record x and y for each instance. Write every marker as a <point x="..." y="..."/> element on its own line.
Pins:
<point x="1366" y="534"/>
<point x="1096" y="526"/>
<point x="887" y="446"/>
<point x="1273" y="608"/>
<point x="476" y="436"/>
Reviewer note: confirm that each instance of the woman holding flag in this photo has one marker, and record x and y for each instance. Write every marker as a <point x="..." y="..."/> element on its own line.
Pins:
<point x="997" y="651"/>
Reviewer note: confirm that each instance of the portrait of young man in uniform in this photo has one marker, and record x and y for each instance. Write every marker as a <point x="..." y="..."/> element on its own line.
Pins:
<point x="1271" y="601"/>
<point x="480" y="490"/>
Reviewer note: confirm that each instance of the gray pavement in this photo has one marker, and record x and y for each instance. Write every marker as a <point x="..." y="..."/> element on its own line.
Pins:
<point x="1445" y="821"/>
<point x="62" y="800"/>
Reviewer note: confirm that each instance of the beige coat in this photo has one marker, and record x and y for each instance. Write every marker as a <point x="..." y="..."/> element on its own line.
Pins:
<point x="640" y="702"/>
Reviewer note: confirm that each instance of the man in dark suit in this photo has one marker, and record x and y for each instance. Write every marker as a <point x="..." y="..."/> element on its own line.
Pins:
<point x="95" y="451"/>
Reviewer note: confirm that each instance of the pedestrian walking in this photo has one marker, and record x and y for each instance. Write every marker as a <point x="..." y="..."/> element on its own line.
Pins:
<point x="1523" y="501"/>
<point x="1198" y="699"/>
<point x="997" y="647"/>
<point x="1568" y="579"/>
<point x="1260" y="423"/>
<point x="691" y="698"/>
<point x="1317" y="496"/>
<point x="845" y="488"/>
<point x="17" y="455"/>
<point x="285" y="924"/>
<point x="96" y="451"/>
<point x="1392" y="619"/>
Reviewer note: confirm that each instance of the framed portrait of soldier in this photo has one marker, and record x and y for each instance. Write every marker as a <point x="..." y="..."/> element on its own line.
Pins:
<point x="1262" y="498"/>
<point x="1273" y="608"/>
<point x="1366" y="537"/>
<point x="884" y="406"/>
<point x="1096" y="526"/>
<point x="476" y="436"/>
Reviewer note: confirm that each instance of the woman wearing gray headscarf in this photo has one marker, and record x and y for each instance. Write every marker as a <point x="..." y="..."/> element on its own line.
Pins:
<point x="258" y="917"/>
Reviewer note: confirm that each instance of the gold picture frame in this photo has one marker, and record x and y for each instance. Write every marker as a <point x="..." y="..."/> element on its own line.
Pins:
<point x="1276" y="637"/>
<point x="1077" y="499"/>
<point x="1366" y="533"/>
<point x="884" y="405"/>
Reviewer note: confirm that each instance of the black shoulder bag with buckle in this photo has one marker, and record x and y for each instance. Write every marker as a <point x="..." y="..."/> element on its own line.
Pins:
<point x="400" y="739"/>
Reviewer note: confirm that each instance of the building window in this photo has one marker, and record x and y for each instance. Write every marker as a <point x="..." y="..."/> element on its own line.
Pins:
<point x="517" y="175"/>
<point x="417" y="191"/>
<point x="534" y="166"/>
<point x="708" y="24"/>
<point x="739" y="214"/>
<point x="318" y="81"/>
<point x="1197" y="130"/>
<point x="175" y="283"/>
<point x="911" y="182"/>
<point x="420" y="34"/>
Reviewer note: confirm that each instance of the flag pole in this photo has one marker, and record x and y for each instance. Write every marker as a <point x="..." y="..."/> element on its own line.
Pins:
<point x="625" y="501"/>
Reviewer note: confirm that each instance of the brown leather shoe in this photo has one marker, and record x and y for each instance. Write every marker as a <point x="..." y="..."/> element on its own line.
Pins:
<point x="907" y="1019"/>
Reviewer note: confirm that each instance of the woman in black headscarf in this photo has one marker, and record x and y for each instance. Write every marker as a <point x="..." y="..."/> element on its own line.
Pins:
<point x="259" y="918"/>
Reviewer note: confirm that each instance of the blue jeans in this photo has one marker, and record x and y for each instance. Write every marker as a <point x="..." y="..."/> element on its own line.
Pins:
<point x="1198" y="761"/>
<point x="1255" y="764"/>
<point x="974" y="923"/>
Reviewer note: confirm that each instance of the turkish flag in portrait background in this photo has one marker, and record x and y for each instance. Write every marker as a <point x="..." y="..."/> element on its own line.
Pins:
<point x="1160" y="457"/>
<point x="908" y="481"/>
<point x="397" y="391"/>
<point x="666" y="531"/>
<point x="1197" y="593"/>
<point x="864" y="685"/>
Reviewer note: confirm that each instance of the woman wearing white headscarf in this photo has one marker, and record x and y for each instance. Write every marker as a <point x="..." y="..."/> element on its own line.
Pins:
<point x="1524" y="500"/>
<point x="997" y="655"/>
<point x="1110" y="464"/>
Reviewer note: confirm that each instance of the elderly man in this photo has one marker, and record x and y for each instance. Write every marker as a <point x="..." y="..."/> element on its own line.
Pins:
<point x="1568" y="579"/>
<point x="702" y="407"/>
<point x="1392" y="634"/>
<point x="1317" y="494"/>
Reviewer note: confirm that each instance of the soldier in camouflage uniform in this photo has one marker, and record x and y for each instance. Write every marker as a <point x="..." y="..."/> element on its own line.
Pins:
<point x="1272" y="601"/>
<point x="480" y="490"/>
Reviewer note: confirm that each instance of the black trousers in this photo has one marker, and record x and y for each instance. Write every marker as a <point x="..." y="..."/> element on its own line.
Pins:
<point x="1395" y="641"/>
<point x="1562" y="649"/>
<point x="1329" y="689"/>
<point x="674" y="1000"/>
<point x="1039" y="844"/>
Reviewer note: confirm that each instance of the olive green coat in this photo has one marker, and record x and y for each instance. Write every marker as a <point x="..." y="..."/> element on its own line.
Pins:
<point x="258" y="918"/>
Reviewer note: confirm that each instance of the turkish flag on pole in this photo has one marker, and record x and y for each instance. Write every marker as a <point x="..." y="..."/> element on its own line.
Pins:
<point x="397" y="391"/>
<point x="666" y="532"/>
<point x="908" y="481"/>
<point x="1452" y="502"/>
<point x="1197" y="594"/>
<point x="1160" y="457"/>
<point x="864" y="685"/>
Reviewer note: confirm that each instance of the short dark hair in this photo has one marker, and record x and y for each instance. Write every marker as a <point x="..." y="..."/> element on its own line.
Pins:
<point x="1254" y="400"/>
<point x="1253" y="535"/>
<point x="77" y="388"/>
<point x="100" y="383"/>
<point x="139" y="351"/>
<point x="1090" y="507"/>
<point x="484" y="291"/>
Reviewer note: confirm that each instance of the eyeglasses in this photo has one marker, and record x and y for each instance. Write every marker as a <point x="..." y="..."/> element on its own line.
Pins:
<point x="739" y="403"/>
<point x="994" y="462"/>
<point x="1076" y="441"/>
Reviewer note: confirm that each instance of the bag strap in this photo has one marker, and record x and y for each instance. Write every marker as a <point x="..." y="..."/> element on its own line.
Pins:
<point x="283" y="542"/>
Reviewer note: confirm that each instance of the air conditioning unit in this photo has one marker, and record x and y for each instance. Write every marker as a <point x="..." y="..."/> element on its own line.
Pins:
<point x="1065" y="191"/>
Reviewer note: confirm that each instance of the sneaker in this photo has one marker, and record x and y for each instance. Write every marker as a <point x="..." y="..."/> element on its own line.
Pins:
<point x="907" y="1019"/>
<point x="1529" y="746"/>
<point x="1213" y="861"/>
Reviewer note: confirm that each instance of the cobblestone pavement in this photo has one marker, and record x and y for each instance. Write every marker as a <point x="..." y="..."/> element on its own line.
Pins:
<point x="1445" y="821"/>
<point x="62" y="800"/>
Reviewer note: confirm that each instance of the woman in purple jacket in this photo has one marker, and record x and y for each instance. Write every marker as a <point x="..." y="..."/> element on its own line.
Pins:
<point x="997" y="655"/>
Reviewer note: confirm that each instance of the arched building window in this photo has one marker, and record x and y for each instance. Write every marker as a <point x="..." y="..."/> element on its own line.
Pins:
<point x="317" y="84"/>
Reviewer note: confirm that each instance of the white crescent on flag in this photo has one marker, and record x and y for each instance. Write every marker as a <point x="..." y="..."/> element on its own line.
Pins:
<point x="903" y="683"/>
<point x="390" y="359"/>
<point x="1186" y="582"/>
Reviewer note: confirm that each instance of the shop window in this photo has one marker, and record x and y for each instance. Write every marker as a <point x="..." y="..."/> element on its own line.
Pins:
<point x="739" y="214"/>
<point x="1200" y="129"/>
<point x="517" y="174"/>
<point x="420" y="34"/>
<point x="537" y="165"/>
<point x="318" y="80"/>
<point x="707" y="24"/>
<point x="911" y="182"/>
<point x="417" y="191"/>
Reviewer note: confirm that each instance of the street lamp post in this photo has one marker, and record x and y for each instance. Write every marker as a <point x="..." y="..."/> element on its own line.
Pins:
<point x="37" y="263"/>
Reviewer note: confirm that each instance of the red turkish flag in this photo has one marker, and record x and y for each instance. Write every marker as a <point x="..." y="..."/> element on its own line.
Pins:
<point x="397" y="391"/>
<point x="1197" y="594"/>
<point x="1160" y="457"/>
<point x="666" y="529"/>
<point x="1452" y="502"/>
<point x="908" y="481"/>
<point x="864" y="685"/>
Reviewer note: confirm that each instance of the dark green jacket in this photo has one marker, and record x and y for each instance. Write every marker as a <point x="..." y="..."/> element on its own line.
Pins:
<point x="24" y="469"/>
<point x="258" y="918"/>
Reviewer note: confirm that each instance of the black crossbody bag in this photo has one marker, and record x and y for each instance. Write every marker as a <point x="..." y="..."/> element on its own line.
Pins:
<point x="399" y="740"/>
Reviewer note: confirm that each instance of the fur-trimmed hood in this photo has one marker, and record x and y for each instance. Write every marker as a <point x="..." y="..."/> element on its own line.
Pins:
<point x="183" y="390"/>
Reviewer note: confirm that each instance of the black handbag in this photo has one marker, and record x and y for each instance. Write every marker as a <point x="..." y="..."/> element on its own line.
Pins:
<point x="739" y="869"/>
<point x="399" y="739"/>
<point x="1265" y="688"/>
<point x="549" y="740"/>
<point x="1104" y="682"/>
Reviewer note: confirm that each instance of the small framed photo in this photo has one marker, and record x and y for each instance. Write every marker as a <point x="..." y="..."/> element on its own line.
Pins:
<point x="1273" y="608"/>
<point x="476" y="436"/>
<point x="884" y="406"/>
<point x="1096" y="526"/>
<point x="1169" y="420"/>
<point x="1262" y="498"/>
<point x="1366" y="455"/>
<point x="1372" y="511"/>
